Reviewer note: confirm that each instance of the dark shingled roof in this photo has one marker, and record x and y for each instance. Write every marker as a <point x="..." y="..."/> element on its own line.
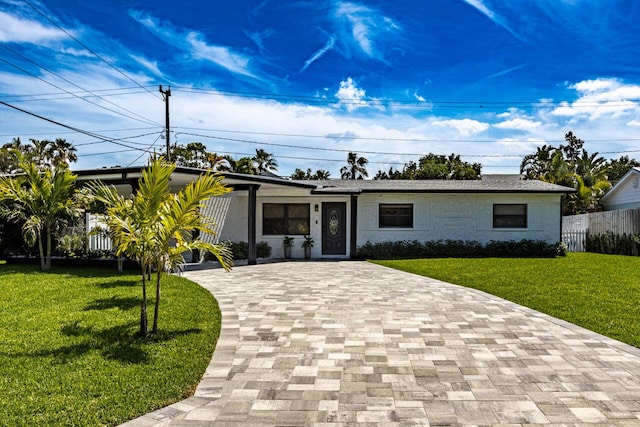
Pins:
<point x="509" y="184"/>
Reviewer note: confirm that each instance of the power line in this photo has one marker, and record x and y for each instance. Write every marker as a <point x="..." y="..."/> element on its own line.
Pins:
<point x="388" y="153"/>
<point x="365" y="138"/>
<point x="148" y="148"/>
<point x="149" y="121"/>
<point x="72" y="132"/>
<point x="83" y="99"/>
<point x="88" y="48"/>
<point x="92" y="134"/>
<point x="477" y="104"/>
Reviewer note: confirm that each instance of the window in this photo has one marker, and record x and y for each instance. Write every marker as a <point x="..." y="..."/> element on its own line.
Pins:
<point x="285" y="218"/>
<point x="395" y="216"/>
<point x="510" y="216"/>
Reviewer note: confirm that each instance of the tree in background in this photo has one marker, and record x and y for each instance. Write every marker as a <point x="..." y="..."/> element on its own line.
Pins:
<point x="619" y="168"/>
<point x="42" y="153"/>
<point x="356" y="167"/>
<point x="242" y="165"/>
<point x="320" y="174"/>
<point x="43" y="200"/>
<point x="154" y="226"/>
<point x="572" y="166"/>
<point x="435" y="166"/>
<point x="264" y="162"/>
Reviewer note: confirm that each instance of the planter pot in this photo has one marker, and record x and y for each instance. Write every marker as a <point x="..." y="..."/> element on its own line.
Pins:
<point x="287" y="252"/>
<point x="307" y="252"/>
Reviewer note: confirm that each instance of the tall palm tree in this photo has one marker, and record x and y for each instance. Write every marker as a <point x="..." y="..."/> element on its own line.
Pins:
<point x="44" y="200"/>
<point x="155" y="226"/>
<point x="264" y="161"/>
<point x="61" y="152"/>
<point x="356" y="167"/>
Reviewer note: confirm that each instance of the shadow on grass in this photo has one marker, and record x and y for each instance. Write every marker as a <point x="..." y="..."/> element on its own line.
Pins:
<point x="119" y="342"/>
<point x="123" y="303"/>
<point x="119" y="283"/>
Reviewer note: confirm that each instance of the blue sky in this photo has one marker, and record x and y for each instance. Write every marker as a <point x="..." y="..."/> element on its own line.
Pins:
<point x="311" y="80"/>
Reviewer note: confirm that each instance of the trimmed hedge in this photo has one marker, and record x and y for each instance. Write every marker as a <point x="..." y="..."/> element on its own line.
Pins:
<point x="407" y="249"/>
<point x="613" y="244"/>
<point x="241" y="250"/>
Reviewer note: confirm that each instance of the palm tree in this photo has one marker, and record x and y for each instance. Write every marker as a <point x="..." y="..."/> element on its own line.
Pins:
<point x="321" y="174"/>
<point x="154" y="226"/>
<point x="356" y="168"/>
<point x="264" y="161"/>
<point x="61" y="152"/>
<point x="44" y="200"/>
<point x="242" y="165"/>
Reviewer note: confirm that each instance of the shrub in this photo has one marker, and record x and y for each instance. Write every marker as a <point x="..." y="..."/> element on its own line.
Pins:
<point x="613" y="244"/>
<point x="458" y="248"/>
<point x="240" y="250"/>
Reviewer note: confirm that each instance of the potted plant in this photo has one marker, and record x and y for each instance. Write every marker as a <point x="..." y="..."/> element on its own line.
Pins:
<point x="287" y="242"/>
<point x="307" y="245"/>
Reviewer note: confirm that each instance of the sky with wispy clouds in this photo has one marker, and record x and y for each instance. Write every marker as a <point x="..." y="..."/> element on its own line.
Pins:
<point x="310" y="81"/>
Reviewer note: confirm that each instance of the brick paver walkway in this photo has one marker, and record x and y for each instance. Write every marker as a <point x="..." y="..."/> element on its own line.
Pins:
<point x="352" y="343"/>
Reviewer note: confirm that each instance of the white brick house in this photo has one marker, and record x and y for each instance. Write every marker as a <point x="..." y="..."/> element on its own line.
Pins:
<point x="341" y="215"/>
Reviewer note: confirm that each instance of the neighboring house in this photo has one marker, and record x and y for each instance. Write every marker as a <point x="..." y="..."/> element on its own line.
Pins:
<point x="341" y="215"/>
<point x="625" y="194"/>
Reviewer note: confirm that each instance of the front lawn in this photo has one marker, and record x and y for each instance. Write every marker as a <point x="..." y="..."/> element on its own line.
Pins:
<point x="598" y="292"/>
<point x="69" y="354"/>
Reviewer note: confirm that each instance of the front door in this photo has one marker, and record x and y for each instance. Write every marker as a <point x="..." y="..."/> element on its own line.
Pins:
<point x="334" y="228"/>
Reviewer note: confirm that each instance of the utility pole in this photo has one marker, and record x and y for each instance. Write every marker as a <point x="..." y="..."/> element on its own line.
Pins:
<point x="165" y="96"/>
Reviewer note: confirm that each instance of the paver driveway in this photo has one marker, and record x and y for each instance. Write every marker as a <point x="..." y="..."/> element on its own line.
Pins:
<point x="353" y="343"/>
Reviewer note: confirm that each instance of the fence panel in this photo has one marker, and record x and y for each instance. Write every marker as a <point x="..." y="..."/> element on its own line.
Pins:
<point x="575" y="228"/>
<point x="625" y="221"/>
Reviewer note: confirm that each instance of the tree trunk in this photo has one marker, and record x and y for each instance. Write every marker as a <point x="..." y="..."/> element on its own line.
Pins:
<point x="143" y="305"/>
<point x="43" y="267"/>
<point x="47" y="261"/>
<point x="157" y="304"/>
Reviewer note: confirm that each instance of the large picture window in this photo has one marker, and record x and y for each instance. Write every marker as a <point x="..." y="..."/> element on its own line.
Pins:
<point x="510" y="216"/>
<point x="285" y="218"/>
<point x="395" y="216"/>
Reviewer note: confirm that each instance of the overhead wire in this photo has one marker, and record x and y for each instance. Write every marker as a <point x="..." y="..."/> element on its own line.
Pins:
<point x="92" y="134"/>
<point x="144" y="119"/>
<point x="47" y="17"/>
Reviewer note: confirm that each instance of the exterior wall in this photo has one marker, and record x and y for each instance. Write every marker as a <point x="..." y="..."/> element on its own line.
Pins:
<point x="464" y="217"/>
<point x="235" y="226"/>
<point x="626" y="194"/>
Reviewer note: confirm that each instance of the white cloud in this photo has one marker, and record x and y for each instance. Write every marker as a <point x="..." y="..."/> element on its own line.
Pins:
<point x="634" y="123"/>
<point x="367" y="26"/>
<point x="151" y="66"/>
<point x="195" y="43"/>
<point x="319" y="53"/>
<point x="350" y="95"/>
<point x="418" y="97"/>
<point x="518" y="124"/>
<point x="601" y="98"/>
<point x="15" y="29"/>
<point x="494" y="17"/>
<point x="465" y="127"/>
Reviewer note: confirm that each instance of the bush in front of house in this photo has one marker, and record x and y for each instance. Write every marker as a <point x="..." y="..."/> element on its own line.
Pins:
<point x="458" y="248"/>
<point x="613" y="244"/>
<point x="240" y="250"/>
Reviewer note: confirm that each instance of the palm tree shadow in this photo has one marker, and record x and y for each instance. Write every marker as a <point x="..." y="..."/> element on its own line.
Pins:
<point x="123" y="303"/>
<point x="119" y="342"/>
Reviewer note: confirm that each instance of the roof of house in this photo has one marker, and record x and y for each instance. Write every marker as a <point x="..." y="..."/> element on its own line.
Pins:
<point x="488" y="183"/>
<point x="633" y="172"/>
<point x="493" y="185"/>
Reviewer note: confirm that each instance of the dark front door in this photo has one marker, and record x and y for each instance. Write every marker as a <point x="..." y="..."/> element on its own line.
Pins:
<point x="334" y="228"/>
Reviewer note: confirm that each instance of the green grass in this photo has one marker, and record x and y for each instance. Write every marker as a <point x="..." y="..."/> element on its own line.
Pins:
<point x="69" y="354"/>
<point x="598" y="292"/>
